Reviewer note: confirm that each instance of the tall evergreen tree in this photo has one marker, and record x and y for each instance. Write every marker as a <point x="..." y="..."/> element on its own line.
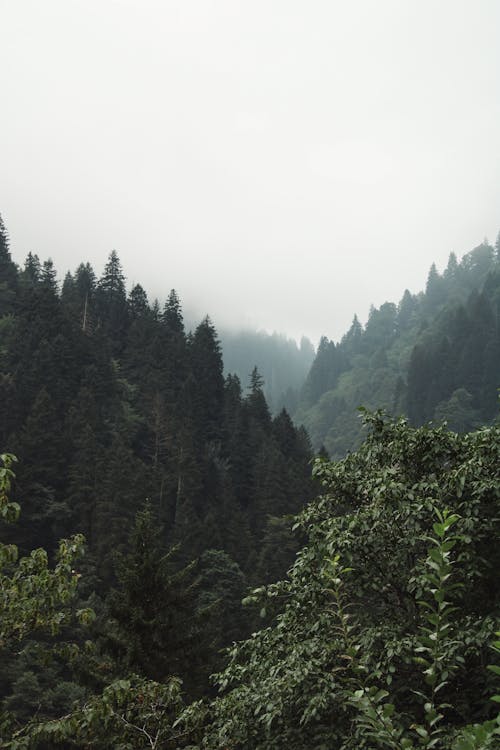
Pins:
<point x="112" y="302"/>
<point x="137" y="302"/>
<point x="172" y="314"/>
<point x="32" y="270"/>
<point x="155" y="628"/>
<point x="207" y="381"/>
<point x="8" y="274"/>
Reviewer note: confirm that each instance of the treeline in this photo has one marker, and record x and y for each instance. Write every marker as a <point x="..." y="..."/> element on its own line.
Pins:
<point x="127" y="431"/>
<point x="434" y="356"/>
<point x="382" y="633"/>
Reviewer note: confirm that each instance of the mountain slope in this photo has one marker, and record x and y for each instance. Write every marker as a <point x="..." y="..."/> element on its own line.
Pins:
<point x="435" y="355"/>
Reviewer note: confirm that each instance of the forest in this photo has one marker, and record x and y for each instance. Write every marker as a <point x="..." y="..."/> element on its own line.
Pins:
<point x="434" y="356"/>
<point x="182" y="566"/>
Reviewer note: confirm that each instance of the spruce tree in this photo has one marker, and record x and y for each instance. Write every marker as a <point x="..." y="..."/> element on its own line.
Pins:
<point x="8" y="274"/>
<point x="155" y="627"/>
<point x="112" y="303"/>
<point x="207" y="382"/>
<point x="137" y="302"/>
<point x="32" y="270"/>
<point x="434" y="289"/>
<point x="172" y="314"/>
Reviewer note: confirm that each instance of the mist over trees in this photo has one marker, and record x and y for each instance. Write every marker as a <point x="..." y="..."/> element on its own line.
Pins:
<point x="433" y="356"/>
<point x="127" y="430"/>
<point x="169" y="579"/>
<point x="282" y="363"/>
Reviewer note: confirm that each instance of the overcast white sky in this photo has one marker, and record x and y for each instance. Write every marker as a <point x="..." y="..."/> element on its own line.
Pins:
<point x="281" y="163"/>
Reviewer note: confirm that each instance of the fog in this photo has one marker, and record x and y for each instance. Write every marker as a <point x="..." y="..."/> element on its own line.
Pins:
<point x="283" y="164"/>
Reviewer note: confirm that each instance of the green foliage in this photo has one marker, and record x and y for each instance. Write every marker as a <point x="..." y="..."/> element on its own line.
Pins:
<point x="130" y="714"/>
<point x="35" y="598"/>
<point x="9" y="511"/>
<point x="483" y="736"/>
<point x="33" y="595"/>
<point x="436" y="356"/>
<point x="380" y="634"/>
<point x="154" y="627"/>
<point x="386" y="648"/>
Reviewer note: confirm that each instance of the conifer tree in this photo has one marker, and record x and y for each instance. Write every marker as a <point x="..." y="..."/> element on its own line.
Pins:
<point x="172" y="314"/>
<point x="112" y="303"/>
<point x="8" y="274"/>
<point x="433" y="289"/>
<point x="451" y="271"/>
<point x="137" y="302"/>
<point x="155" y="627"/>
<point x="207" y="381"/>
<point x="256" y="403"/>
<point x="32" y="269"/>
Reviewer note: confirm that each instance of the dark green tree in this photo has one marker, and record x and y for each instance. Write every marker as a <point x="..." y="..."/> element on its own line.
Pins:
<point x="111" y="302"/>
<point x="155" y="627"/>
<point x="172" y="314"/>
<point x="8" y="274"/>
<point x="206" y="381"/>
<point x="137" y="302"/>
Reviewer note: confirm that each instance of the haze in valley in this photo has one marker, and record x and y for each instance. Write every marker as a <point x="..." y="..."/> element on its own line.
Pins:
<point x="283" y="164"/>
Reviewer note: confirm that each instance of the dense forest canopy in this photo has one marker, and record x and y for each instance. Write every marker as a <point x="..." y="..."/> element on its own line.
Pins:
<point x="147" y="524"/>
<point x="433" y="356"/>
<point x="127" y="431"/>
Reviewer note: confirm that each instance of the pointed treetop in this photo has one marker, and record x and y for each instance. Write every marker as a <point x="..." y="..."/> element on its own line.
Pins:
<point x="4" y="242"/>
<point x="32" y="268"/>
<point x="256" y="381"/>
<point x="205" y="333"/>
<point x="138" y="301"/>
<point x="85" y="280"/>
<point x="452" y="266"/>
<point x="49" y="275"/>
<point x="68" y="283"/>
<point x="172" y="313"/>
<point x="433" y="274"/>
<point x="8" y="274"/>
<point x="323" y="345"/>
<point x="112" y="280"/>
<point x="355" y="331"/>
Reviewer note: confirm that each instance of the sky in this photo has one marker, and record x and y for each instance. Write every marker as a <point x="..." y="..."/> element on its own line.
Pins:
<point x="283" y="164"/>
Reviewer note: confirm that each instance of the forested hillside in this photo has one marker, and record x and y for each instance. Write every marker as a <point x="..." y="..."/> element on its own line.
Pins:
<point x="382" y="635"/>
<point x="146" y="537"/>
<point x="126" y="430"/>
<point x="433" y="356"/>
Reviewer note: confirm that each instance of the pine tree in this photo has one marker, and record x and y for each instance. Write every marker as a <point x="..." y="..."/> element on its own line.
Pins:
<point x="40" y="448"/>
<point x="32" y="270"/>
<point x="137" y="302"/>
<point x="207" y="381"/>
<point x="407" y="311"/>
<point x="155" y="628"/>
<point x="8" y="274"/>
<point x="172" y="314"/>
<point x="112" y="303"/>
<point x="451" y="271"/>
<point x="434" y="289"/>
<point x="48" y="276"/>
<point x="256" y="403"/>
<point x="352" y="338"/>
